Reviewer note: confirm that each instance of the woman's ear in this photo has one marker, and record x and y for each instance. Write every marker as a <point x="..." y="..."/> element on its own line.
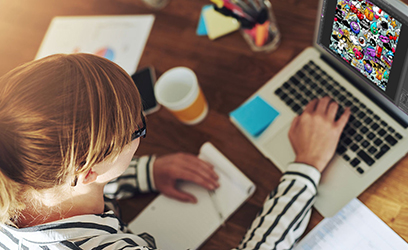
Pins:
<point x="89" y="177"/>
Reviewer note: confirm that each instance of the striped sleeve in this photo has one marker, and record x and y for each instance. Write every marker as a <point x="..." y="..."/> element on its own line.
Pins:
<point x="138" y="178"/>
<point x="286" y="211"/>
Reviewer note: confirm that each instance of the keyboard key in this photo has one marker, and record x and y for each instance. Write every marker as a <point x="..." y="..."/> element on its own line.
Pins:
<point x="358" y="137"/>
<point x="366" y="158"/>
<point x="351" y="131"/>
<point x="355" y="162"/>
<point x="372" y="150"/>
<point x="363" y="106"/>
<point x="294" y="80"/>
<point x="363" y="130"/>
<point x="296" y="108"/>
<point x="360" y="170"/>
<point x="361" y="115"/>
<point x="383" y="150"/>
<point x="369" y="111"/>
<point x="283" y="96"/>
<point x="391" y="140"/>
<point x="382" y="132"/>
<point x="370" y="135"/>
<point x="347" y="141"/>
<point x="289" y="101"/>
<point x="399" y="137"/>
<point x="351" y="118"/>
<point x="300" y="74"/>
<point x="278" y="91"/>
<point x="375" y="126"/>
<point x="346" y="157"/>
<point x="304" y="102"/>
<point x="376" y="117"/>
<point x="365" y="144"/>
<point x="354" y="147"/>
<point x="368" y="120"/>
<point x="286" y="85"/>
<point x="341" y="149"/>
<point x="348" y="103"/>
<point x="356" y="124"/>
<point x="384" y="124"/>
<point x="319" y="91"/>
<point x="354" y="109"/>
<point x="377" y="142"/>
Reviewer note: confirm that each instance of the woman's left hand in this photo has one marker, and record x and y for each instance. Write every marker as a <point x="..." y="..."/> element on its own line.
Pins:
<point x="169" y="169"/>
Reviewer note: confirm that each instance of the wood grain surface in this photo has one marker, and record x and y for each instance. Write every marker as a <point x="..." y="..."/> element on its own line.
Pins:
<point x="228" y="72"/>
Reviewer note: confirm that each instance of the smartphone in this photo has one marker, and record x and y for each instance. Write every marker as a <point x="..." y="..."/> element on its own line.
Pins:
<point x="145" y="80"/>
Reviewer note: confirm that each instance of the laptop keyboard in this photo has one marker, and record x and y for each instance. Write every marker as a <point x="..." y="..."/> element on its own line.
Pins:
<point x="366" y="137"/>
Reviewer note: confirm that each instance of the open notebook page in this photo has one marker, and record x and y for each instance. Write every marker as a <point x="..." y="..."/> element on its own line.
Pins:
<point x="177" y="225"/>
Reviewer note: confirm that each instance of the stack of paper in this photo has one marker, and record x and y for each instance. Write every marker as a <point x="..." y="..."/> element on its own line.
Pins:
<point x="354" y="227"/>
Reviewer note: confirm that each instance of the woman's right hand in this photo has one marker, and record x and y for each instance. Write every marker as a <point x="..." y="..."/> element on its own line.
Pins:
<point x="314" y="134"/>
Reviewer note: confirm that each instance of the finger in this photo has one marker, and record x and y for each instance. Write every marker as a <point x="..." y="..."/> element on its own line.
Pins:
<point x="180" y="195"/>
<point x="342" y="121"/>
<point x="199" y="167"/>
<point x="192" y="176"/>
<point x="293" y="126"/>
<point x="196" y="164"/>
<point x="323" y="104"/>
<point x="311" y="106"/>
<point x="332" y="110"/>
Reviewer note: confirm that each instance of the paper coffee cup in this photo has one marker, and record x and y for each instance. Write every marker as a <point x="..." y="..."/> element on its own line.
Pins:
<point x="178" y="90"/>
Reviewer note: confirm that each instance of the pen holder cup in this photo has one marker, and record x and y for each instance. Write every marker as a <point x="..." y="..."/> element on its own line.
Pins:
<point x="265" y="36"/>
<point x="156" y="4"/>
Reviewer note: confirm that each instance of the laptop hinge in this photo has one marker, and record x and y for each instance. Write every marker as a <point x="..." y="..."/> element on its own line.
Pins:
<point x="367" y="93"/>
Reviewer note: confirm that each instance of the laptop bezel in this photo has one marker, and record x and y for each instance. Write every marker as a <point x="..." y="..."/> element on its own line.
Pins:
<point x="357" y="79"/>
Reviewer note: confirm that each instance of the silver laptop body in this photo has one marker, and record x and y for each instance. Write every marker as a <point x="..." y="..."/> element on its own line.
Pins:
<point x="340" y="182"/>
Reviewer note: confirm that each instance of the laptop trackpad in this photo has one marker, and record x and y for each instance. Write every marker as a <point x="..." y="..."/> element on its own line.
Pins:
<point x="280" y="149"/>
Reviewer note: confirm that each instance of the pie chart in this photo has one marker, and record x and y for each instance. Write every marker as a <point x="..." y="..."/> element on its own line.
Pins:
<point x="106" y="53"/>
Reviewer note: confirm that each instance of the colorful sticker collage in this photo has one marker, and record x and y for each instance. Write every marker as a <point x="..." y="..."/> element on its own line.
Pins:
<point x="366" y="37"/>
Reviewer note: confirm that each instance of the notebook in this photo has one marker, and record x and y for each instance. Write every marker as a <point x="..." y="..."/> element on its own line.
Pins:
<point x="176" y="225"/>
<point x="359" y="59"/>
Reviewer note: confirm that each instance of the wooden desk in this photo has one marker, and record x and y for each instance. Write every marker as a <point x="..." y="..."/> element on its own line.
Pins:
<point x="228" y="72"/>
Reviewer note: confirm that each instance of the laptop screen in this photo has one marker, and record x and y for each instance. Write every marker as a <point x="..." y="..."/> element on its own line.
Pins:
<point x="371" y="39"/>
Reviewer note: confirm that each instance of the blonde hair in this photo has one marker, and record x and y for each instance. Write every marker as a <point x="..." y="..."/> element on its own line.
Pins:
<point x="59" y="116"/>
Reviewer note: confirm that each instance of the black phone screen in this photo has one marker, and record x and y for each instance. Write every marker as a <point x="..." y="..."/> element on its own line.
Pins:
<point x="144" y="80"/>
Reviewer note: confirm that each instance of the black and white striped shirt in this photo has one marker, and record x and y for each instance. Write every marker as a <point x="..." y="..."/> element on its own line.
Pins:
<point x="278" y="225"/>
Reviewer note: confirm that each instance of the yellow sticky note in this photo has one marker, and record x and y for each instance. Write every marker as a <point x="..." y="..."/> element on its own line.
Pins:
<point x="218" y="25"/>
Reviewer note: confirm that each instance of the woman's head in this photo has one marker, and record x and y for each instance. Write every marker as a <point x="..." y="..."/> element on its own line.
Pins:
<point x="58" y="117"/>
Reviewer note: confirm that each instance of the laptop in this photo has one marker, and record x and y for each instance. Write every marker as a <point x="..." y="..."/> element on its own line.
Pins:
<point x="359" y="58"/>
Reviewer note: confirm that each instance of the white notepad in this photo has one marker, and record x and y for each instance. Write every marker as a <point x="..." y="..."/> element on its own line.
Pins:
<point x="176" y="225"/>
<point x="354" y="227"/>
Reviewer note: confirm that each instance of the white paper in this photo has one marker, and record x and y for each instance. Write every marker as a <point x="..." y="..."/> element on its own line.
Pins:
<point x="354" y="227"/>
<point x="176" y="225"/>
<point x="119" y="38"/>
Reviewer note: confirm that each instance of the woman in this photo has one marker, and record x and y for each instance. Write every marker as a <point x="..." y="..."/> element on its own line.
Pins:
<point x="69" y="127"/>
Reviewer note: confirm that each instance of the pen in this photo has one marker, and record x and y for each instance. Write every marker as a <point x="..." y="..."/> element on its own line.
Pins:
<point x="216" y="205"/>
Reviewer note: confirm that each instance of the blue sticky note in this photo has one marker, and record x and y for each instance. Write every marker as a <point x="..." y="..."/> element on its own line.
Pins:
<point x="255" y="115"/>
<point x="201" y="28"/>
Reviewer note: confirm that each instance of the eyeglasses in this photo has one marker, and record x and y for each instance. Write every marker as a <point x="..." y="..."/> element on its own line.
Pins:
<point x="140" y="132"/>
